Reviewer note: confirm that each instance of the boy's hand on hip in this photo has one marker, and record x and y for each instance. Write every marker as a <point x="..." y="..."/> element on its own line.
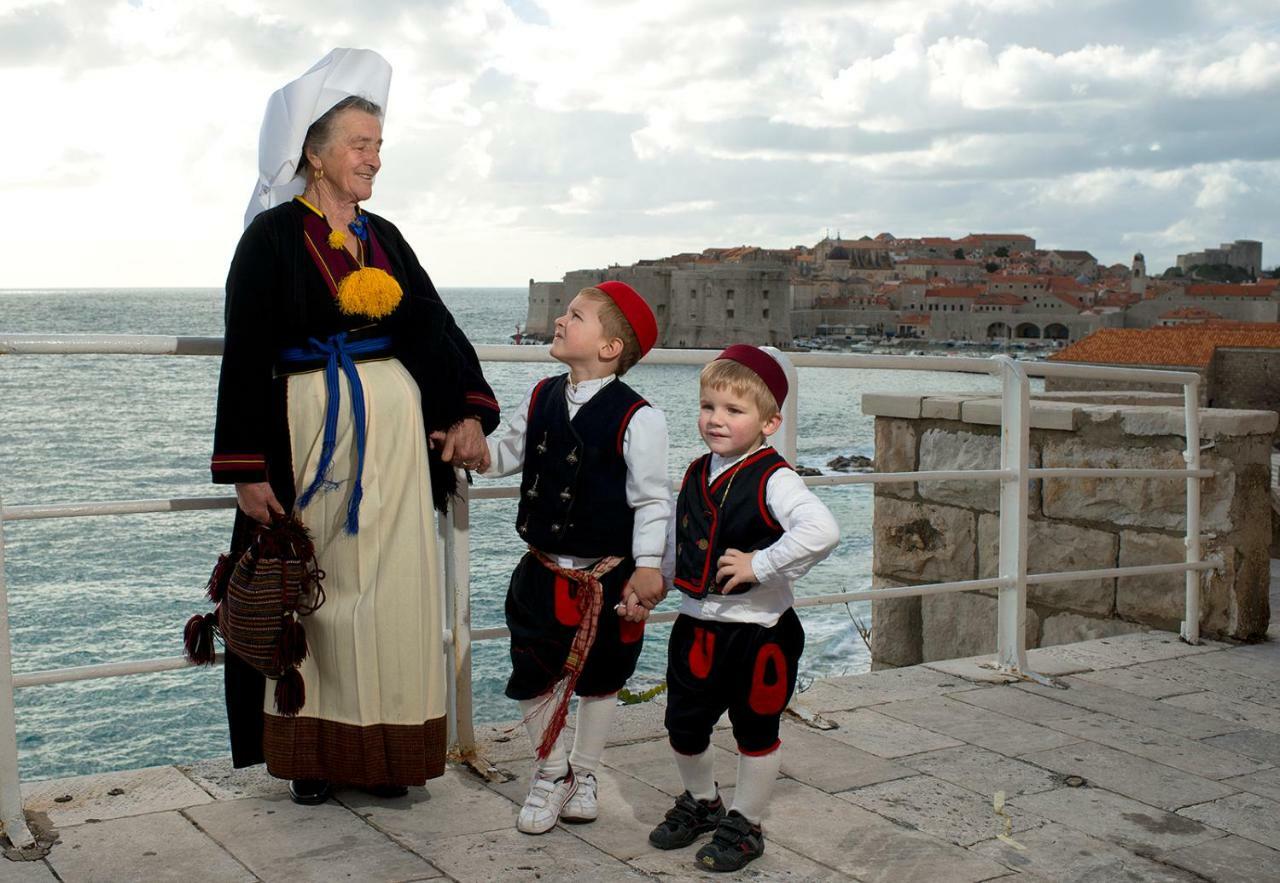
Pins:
<point x="734" y="569"/>
<point x="647" y="585"/>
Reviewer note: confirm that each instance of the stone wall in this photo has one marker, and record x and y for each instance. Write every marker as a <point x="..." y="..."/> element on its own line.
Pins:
<point x="927" y="532"/>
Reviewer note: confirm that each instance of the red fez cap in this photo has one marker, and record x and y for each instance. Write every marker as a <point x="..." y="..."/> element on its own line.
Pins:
<point x="636" y="311"/>
<point x="764" y="365"/>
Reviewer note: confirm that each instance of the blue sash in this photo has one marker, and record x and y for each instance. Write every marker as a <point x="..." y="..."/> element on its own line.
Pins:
<point x="339" y="354"/>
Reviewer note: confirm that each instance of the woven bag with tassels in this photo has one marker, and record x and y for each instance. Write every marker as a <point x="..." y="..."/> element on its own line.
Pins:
<point x="260" y="601"/>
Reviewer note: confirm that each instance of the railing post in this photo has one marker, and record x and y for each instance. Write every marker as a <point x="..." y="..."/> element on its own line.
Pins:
<point x="1191" y="621"/>
<point x="11" y="815"/>
<point x="785" y="442"/>
<point x="1015" y="454"/>
<point x="458" y="564"/>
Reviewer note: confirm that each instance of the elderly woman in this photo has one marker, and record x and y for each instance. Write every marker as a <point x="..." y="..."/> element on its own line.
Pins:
<point x="341" y="361"/>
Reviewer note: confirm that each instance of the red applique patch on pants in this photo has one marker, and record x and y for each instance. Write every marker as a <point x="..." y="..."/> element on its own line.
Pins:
<point x="769" y="681"/>
<point x="567" y="612"/>
<point x="700" y="654"/>
<point x="629" y="631"/>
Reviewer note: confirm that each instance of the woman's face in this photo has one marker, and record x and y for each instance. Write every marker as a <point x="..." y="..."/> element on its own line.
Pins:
<point x="351" y="159"/>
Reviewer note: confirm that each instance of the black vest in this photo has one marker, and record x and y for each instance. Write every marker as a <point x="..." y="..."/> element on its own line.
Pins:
<point x="727" y="514"/>
<point x="573" y="494"/>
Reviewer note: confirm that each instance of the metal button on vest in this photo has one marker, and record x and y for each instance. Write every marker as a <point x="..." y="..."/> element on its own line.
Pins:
<point x="566" y="495"/>
<point x="555" y="527"/>
<point x="702" y="544"/>
<point x="572" y="458"/>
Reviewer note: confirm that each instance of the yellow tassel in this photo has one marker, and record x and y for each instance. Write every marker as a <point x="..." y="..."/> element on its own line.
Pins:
<point x="337" y="239"/>
<point x="369" y="292"/>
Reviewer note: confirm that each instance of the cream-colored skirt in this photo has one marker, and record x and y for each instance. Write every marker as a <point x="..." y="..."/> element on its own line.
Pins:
<point x="375" y="675"/>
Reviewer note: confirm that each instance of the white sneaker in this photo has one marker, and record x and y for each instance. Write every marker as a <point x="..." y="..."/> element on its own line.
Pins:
<point x="582" y="805"/>
<point x="546" y="799"/>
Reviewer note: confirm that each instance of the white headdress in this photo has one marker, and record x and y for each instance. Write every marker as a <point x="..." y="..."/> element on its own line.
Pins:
<point x="292" y="109"/>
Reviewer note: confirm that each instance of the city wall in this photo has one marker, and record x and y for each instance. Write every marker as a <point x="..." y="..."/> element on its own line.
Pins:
<point x="928" y="532"/>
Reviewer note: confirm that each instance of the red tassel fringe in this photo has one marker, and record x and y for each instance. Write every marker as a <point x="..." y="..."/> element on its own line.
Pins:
<point x="291" y="693"/>
<point x="292" y="646"/>
<point x="216" y="589"/>
<point x="197" y="639"/>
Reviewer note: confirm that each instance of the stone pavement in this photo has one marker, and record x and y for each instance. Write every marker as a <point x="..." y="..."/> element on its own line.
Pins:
<point x="1158" y="761"/>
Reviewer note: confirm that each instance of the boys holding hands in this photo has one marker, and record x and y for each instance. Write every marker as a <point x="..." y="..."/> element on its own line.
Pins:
<point x="595" y="504"/>
<point x="747" y="527"/>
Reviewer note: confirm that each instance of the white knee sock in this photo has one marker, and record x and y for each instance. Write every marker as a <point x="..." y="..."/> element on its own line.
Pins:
<point x="755" y="783"/>
<point x="595" y="716"/>
<point x="698" y="773"/>
<point x="536" y="713"/>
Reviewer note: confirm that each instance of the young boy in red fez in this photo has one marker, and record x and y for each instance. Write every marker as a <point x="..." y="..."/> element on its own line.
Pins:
<point x="595" y="505"/>
<point x="746" y="529"/>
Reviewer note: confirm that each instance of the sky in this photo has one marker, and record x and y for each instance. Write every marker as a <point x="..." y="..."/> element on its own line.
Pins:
<point x="527" y="138"/>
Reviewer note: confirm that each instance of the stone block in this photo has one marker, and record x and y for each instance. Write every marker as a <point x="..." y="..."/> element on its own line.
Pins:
<point x="1068" y="628"/>
<point x="1123" y="773"/>
<point x="959" y="624"/>
<point x="916" y="542"/>
<point x="1214" y="422"/>
<point x="1053" y="547"/>
<point x="884" y="736"/>
<point x="895" y="452"/>
<point x="1056" y="852"/>
<point x="652" y="763"/>
<point x="935" y="807"/>
<point x="156" y="847"/>
<point x="1227" y="860"/>
<point x="976" y="726"/>
<point x="894" y="685"/>
<point x="279" y="840"/>
<point x="1242" y="712"/>
<point x="510" y="855"/>
<point x="1247" y="815"/>
<point x="943" y="407"/>
<point x="456" y="803"/>
<point x="1138" y="826"/>
<point x="1169" y="749"/>
<point x="942" y="449"/>
<point x="777" y="863"/>
<point x="112" y="795"/>
<point x="1044" y="415"/>
<point x="865" y="846"/>
<point x="812" y="757"/>
<point x="876" y="404"/>
<point x="895" y="627"/>
<point x="1265" y="783"/>
<point x="1261" y="745"/>
<point x="1159" y="600"/>
<point x="1140" y="502"/>
<point x="1126" y="706"/>
<point x="982" y="772"/>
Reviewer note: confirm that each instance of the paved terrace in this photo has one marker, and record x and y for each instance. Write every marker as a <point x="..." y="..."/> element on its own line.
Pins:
<point x="1178" y="748"/>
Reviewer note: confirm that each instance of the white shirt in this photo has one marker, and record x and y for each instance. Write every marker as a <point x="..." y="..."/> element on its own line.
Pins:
<point x="809" y="534"/>
<point x="644" y="450"/>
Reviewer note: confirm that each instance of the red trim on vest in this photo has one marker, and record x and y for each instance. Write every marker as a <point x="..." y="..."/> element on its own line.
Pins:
<point x="744" y="462"/>
<point x="711" y="537"/>
<point x="772" y="748"/>
<point x="479" y="398"/>
<point x="567" y="612"/>
<point x="764" y="508"/>
<point x="769" y="698"/>
<point x="533" y="398"/>
<point x="701" y="652"/>
<point x="224" y="462"/>
<point x="629" y="631"/>
<point x="626" y="420"/>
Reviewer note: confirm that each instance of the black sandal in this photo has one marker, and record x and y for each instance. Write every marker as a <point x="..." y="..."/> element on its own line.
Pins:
<point x="309" y="792"/>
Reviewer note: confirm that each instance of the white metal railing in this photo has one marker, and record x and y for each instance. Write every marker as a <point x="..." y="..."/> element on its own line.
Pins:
<point x="454" y="530"/>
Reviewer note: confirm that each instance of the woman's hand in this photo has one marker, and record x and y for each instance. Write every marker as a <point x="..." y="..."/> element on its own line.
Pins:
<point x="257" y="500"/>
<point x="463" y="445"/>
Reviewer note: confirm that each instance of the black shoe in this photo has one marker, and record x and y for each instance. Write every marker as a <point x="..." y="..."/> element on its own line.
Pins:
<point x="686" y="820"/>
<point x="309" y="792"/>
<point x="735" y="843"/>
<point x="386" y="792"/>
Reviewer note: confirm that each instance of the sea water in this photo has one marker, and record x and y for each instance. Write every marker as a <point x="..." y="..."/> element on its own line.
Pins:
<point x="118" y="588"/>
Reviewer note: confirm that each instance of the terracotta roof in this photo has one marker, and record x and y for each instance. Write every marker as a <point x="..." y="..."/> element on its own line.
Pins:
<point x="1190" y="313"/>
<point x="1116" y="299"/>
<point x="1021" y="236"/>
<point x="1000" y="299"/>
<point x="1073" y="255"/>
<point x="914" y="319"/>
<point x="1185" y="346"/>
<point x="959" y="291"/>
<point x="1224" y="289"/>
<point x="935" y="262"/>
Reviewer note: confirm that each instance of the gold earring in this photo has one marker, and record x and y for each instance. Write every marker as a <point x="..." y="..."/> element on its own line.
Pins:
<point x="319" y="174"/>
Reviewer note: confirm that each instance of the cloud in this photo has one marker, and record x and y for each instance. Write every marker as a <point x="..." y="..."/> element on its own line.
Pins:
<point x="525" y="137"/>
